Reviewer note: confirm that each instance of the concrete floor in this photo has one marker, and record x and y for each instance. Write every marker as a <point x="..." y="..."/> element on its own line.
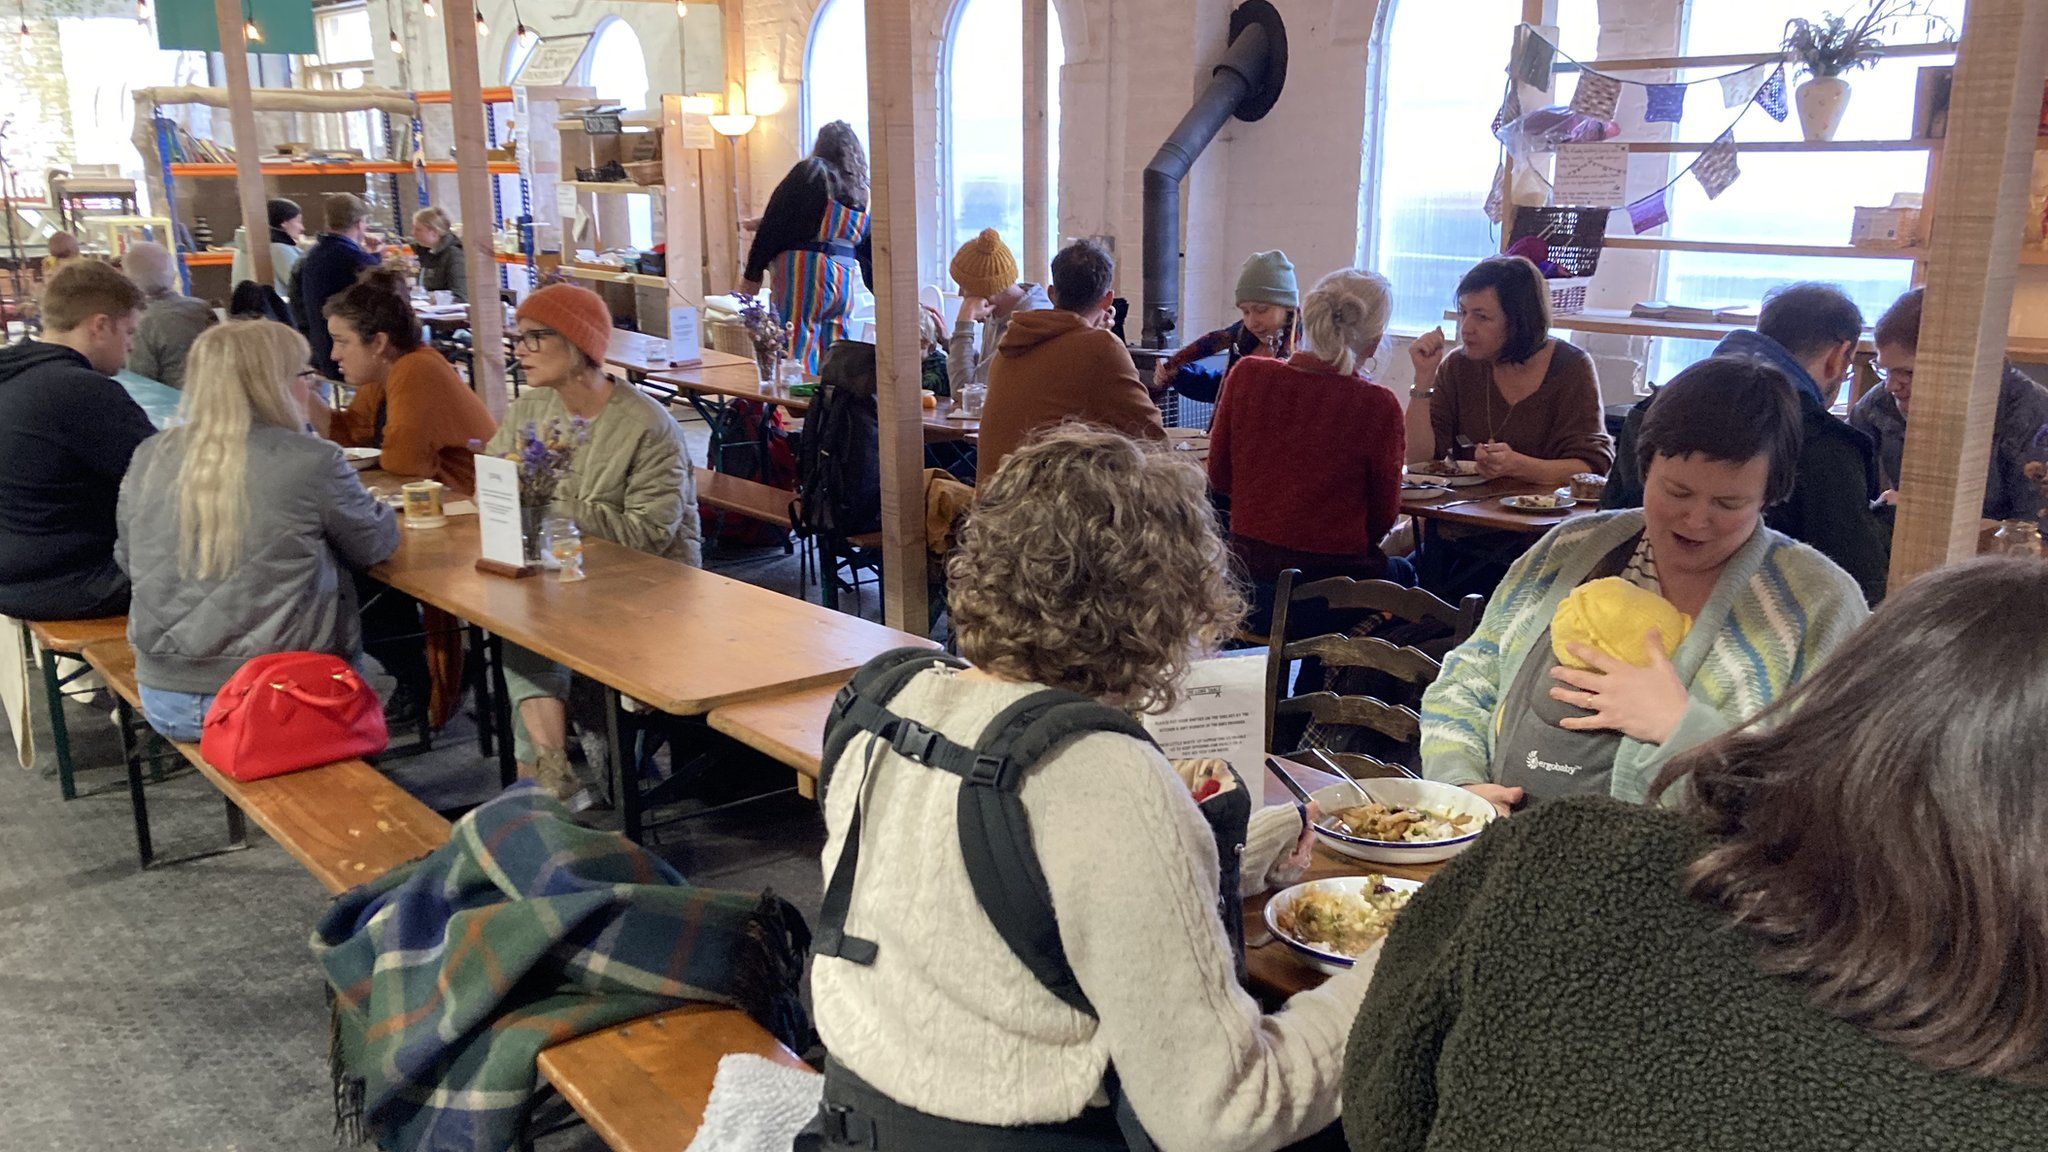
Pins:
<point x="179" y="1009"/>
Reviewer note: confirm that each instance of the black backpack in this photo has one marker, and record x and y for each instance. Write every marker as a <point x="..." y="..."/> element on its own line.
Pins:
<point x="995" y="831"/>
<point x="838" y="457"/>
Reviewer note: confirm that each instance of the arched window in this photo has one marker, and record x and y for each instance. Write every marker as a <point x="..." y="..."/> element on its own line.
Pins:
<point x="516" y="53"/>
<point x="1425" y="223"/>
<point x="836" y="69"/>
<point x="1789" y="197"/>
<point x="615" y="65"/>
<point x="984" y="148"/>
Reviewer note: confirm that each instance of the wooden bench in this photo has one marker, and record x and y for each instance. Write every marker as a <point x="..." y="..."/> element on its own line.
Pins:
<point x="743" y="497"/>
<point x="68" y="638"/>
<point x="789" y="727"/>
<point x="345" y="822"/>
<point x="639" y="1085"/>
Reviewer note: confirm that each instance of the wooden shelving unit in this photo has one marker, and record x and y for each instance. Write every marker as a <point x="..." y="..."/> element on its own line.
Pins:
<point x="612" y="276"/>
<point x="496" y="167"/>
<point x="227" y="171"/>
<point x="1742" y="248"/>
<point x="1684" y="146"/>
<point x="213" y="259"/>
<point x="613" y="188"/>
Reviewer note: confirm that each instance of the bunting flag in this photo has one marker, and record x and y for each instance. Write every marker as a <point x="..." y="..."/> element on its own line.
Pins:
<point x="1494" y="198"/>
<point x="1739" y="88"/>
<point x="1716" y="168"/>
<point x="1510" y="109"/>
<point x="1596" y="95"/>
<point x="1666" y="104"/>
<point x="1652" y="211"/>
<point x="1771" y="97"/>
<point x="1533" y="59"/>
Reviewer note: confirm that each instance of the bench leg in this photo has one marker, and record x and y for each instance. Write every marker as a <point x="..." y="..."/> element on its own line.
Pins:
<point x="132" y="757"/>
<point x="60" y="733"/>
<point x="238" y="825"/>
<point x="477" y="670"/>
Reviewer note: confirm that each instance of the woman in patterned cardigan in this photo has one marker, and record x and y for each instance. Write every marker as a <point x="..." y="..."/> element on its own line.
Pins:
<point x="1509" y="721"/>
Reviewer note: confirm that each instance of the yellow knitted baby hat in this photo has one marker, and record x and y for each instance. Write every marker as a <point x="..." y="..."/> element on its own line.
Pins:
<point x="984" y="266"/>
<point x="1614" y="616"/>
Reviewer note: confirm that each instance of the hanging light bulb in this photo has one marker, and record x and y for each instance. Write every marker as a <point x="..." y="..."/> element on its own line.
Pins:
<point x="142" y="11"/>
<point x="482" y="29"/>
<point x="24" y="35"/>
<point x="397" y="45"/>
<point x="682" y="9"/>
<point x="427" y="6"/>
<point x="252" y="33"/>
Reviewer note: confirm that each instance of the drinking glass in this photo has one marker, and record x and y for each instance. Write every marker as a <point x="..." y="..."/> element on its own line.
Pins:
<point x="564" y="547"/>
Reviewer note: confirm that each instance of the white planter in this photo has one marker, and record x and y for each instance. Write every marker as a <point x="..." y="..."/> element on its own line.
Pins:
<point x="1822" y="100"/>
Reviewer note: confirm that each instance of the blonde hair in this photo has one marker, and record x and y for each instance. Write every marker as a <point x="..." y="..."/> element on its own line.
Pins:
<point x="237" y="377"/>
<point x="1345" y="317"/>
<point x="433" y="217"/>
<point x="1092" y="562"/>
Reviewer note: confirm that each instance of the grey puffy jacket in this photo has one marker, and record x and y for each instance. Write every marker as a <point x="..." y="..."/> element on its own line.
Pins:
<point x="310" y="521"/>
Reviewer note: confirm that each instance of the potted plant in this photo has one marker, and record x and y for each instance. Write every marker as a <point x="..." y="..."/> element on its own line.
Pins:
<point x="1832" y="45"/>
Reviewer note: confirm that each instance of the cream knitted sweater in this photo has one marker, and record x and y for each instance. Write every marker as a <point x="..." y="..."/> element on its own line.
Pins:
<point x="949" y="1022"/>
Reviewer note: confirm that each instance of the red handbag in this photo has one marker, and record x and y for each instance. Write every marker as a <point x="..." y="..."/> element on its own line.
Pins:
<point x="290" y="711"/>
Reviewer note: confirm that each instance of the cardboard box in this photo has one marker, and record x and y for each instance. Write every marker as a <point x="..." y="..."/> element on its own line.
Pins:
<point x="1888" y="227"/>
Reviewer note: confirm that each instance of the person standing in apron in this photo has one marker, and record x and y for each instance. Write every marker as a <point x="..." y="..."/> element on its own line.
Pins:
<point x="814" y="238"/>
<point x="1719" y="445"/>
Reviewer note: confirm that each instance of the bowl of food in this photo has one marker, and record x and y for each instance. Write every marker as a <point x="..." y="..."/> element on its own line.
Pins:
<point x="361" y="458"/>
<point x="1448" y="473"/>
<point x="1413" y="821"/>
<point x="1331" y="923"/>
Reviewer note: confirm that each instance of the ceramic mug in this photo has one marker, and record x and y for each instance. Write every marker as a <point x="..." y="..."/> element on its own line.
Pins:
<point x="423" y="504"/>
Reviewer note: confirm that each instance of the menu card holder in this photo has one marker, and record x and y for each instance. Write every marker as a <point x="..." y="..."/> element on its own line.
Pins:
<point x="500" y="526"/>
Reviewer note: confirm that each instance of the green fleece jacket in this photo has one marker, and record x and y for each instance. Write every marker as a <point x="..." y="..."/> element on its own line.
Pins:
<point x="631" y="483"/>
<point x="1553" y="990"/>
<point x="1777" y="610"/>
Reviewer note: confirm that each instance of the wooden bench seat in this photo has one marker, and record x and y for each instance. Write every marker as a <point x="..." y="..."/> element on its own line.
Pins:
<point x="70" y="637"/>
<point x="743" y="497"/>
<point x="345" y="822"/>
<point x="790" y="727"/>
<point x="642" y="1086"/>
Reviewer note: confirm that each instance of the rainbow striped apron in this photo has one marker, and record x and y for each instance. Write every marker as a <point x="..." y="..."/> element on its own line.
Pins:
<point x="814" y="283"/>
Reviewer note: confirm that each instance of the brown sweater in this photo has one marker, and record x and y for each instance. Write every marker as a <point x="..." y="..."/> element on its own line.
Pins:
<point x="1561" y="420"/>
<point x="1052" y="367"/>
<point x="428" y="417"/>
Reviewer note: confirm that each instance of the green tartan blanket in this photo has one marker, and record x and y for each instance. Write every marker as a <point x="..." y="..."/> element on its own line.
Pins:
<point x="449" y="975"/>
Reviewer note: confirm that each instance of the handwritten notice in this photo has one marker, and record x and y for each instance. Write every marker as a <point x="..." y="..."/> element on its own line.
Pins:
<point x="552" y="60"/>
<point x="1222" y="715"/>
<point x="497" y="506"/>
<point x="1592" y="175"/>
<point x="697" y="133"/>
<point x="683" y="347"/>
<point x="565" y="203"/>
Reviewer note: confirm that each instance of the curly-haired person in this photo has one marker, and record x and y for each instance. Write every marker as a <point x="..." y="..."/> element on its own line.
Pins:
<point x="1091" y="563"/>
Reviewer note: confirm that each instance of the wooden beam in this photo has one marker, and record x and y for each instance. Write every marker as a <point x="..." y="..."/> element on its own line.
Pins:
<point x="893" y="197"/>
<point x="473" y="194"/>
<point x="1973" y="263"/>
<point x="234" y="55"/>
<point x="1037" y="160"/>
<point x="682" y="210"/>
<point x="732" y="16"/>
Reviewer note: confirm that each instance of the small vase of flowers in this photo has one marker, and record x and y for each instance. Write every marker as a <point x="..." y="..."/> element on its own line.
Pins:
<point x="1832" y="45"/>
<point x="546" y="450"/>
<point x="770" y="335"/>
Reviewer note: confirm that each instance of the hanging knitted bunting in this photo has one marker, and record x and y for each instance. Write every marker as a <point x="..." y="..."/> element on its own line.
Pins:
<point x="1596" y="95"/>
<point x="1533" y="59"/>
<point x="1739" y="88"/>
<point x="1716" y="168"/>
<point x="1771" y="97"/>
<point x="1652" y="211"/>
<point x="1495" y="194"/>
<point x="1665" y="104"/>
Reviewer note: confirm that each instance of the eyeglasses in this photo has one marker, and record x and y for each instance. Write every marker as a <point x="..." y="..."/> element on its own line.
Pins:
<point x="534" y="339"/>
<point x="309" y="374"/>
<point x="1902" y="376"/>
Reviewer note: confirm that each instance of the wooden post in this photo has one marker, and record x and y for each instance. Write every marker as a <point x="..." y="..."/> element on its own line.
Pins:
<point x="1037" y="160"/>
<point x="1973" y="261"/>
<point x="893" y="197"/>
<point x="234" y="55"/>
<point x="732" y="17"/>
<point x="682" y="210"/>
<point x="473" y="193"/>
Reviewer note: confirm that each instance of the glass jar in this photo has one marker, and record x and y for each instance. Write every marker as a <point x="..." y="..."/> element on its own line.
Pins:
<point x="564" y="548"/>
<point x="2019" y="538"/>
<point x="972" y="397"/>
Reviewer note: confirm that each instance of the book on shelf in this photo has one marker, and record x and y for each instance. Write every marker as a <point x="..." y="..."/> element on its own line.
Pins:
<point x="1693" y="313"/>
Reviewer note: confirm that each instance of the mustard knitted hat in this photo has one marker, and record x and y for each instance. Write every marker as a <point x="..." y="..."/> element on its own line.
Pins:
<point x="1613" y="616"/>
<point x="984" y="265"/>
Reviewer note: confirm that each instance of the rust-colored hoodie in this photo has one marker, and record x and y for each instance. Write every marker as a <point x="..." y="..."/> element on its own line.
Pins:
<point x="1051" y="367"/>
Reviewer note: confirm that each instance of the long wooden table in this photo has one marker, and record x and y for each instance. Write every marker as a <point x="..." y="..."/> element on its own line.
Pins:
<point x="691" y="384"/>
<point x="1479" y="506"/>
<point x="678" y="639"/>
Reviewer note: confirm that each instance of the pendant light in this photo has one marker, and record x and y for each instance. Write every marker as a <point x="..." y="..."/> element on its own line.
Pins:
<point x="482" y="29"/>
<point x="524" y="35"/>
<point x="427" y="6"/>
<point x="24" y="26"/>
<point x="682" y="9"/>
<point x="142" y="11"/>
<point x="250" y="32"/>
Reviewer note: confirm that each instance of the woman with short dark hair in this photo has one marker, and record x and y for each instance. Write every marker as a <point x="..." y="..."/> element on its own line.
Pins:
<point x="1722" y="614"/>
<point x="1839" y="940"/>
<point x="1528" y="404"/>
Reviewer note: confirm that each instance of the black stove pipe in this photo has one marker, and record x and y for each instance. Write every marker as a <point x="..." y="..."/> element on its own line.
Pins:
<point x="1243" y="84"/>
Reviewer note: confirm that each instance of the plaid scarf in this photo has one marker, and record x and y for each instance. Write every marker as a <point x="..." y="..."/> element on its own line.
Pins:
<point x="448" y="976"/>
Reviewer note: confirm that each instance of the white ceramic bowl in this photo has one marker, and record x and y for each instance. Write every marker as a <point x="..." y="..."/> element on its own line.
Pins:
<point x="1330" y="962"/>
<point x="1406" y="793"/>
